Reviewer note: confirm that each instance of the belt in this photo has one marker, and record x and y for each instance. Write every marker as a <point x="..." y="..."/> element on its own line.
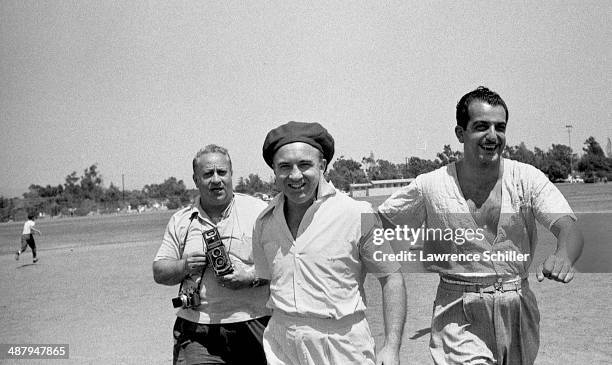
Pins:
<point x="514" y="285"/>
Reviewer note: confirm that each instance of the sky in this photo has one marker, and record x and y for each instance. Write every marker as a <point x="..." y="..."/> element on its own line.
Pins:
<point x="139" y="87"/>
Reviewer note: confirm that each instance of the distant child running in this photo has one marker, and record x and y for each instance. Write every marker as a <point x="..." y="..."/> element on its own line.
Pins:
<point x="27" y="238"/>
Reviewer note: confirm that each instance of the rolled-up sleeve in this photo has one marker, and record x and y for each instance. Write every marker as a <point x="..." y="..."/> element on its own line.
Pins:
<point x="405" y="206"/>
<point x="547" y="201"/>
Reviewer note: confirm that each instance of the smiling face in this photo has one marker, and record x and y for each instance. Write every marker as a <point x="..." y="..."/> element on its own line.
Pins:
<point x="484" y="137"/>
<point x="298" y="168"/>
<point x="213" y="177"/>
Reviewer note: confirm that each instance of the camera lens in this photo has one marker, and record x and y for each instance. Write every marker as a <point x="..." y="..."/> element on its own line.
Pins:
<point x="177" y="302"/>
<point x="180" y="301"/>
<point x="220" y="261"/>
<point x="216" y="252"/>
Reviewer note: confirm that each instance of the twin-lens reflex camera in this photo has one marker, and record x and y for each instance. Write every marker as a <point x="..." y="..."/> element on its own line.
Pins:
<point x="218" y="259"/>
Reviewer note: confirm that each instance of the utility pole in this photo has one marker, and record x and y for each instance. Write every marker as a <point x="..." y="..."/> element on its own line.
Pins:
<point x="122" y="190"/>
<point x="569" y="134"/>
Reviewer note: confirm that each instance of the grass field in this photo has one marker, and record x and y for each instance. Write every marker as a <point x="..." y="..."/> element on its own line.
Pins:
<point x="93" y="289"/>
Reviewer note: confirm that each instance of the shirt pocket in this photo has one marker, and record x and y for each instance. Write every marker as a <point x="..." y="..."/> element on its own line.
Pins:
<point x="242" y="248"/>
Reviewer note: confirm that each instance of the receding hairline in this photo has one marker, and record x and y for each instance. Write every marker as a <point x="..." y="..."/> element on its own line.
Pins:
<point x="484" y="102"/>
<point x="210" y="149"/>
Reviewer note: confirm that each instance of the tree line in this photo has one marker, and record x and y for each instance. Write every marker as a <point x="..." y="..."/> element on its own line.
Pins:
<point x="81" y="195"/>
<point x="85" y="193"/>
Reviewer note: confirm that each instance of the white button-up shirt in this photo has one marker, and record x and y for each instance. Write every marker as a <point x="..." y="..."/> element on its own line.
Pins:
<point x="219" y="304"/>
<point x="321" y="272"/>
<point x="436" y="200"/>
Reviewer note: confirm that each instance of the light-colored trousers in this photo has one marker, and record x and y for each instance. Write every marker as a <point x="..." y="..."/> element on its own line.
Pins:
<point x="490" y="328"/>
<point x="315" y="341"/>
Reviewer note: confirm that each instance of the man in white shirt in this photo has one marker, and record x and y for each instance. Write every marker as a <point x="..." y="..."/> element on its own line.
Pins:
<point x="222" y="316"/>
<point x="484" y="311"/>
<point x="315" y="245"/>
<point x="27" y="238"/>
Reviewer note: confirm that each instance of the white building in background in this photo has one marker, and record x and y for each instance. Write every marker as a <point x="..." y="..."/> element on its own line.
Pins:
<point x="377" y="187"/>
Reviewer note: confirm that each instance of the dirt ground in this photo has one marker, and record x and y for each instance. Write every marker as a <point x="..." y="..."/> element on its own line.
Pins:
<point x="102" y="301"/>
<point x="98" y="295"/>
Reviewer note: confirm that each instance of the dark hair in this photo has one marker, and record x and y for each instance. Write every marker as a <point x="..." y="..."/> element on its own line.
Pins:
<point x="481" y="93"/>
<point x="31" y="215"/>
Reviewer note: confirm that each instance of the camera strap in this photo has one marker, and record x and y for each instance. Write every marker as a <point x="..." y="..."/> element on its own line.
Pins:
<point x="193" y="216"/>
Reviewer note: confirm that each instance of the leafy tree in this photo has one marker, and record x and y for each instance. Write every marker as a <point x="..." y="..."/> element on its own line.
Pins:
<point x="556" y="171"/>
<point x="383" y="170"/>
<point x="111" y="197"/>
<point x="91" y="184"/>
<point x="540" y="159"/>
<point x="418" y="166"/>
<point x="593" y="147"/>
<point x="171" y="190"/>
<point x="256" y="184"/>
<point x="448" y="155"/>
<point x="520" y="153"/>
<point x="35" y="202"/>
<point x="555" y="162"/>
<point x="136" y="198"/>
<point x="273" y="187"/>
<point x="594" y="162"/>
<point x="560" y="159"/>
<point x="6" y="208"/>
<point x="345" y="172"/>
<point x="252" y="184"/>
<point x="71" y="189"/>
<point x="45" y="191"/>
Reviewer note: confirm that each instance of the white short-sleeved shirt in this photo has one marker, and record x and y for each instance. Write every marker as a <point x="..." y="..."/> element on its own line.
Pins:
<point x="436" y="199"/>
<point x="219" y="304"/>
<point x="27" y="226"/>
<point x="321" y="272"/>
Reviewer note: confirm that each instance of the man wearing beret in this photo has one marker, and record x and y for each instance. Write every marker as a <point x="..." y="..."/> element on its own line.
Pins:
<point x="315" y="245"/>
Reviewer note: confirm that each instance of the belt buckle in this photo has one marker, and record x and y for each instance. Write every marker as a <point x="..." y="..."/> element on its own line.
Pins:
<point x="499" y="286"/>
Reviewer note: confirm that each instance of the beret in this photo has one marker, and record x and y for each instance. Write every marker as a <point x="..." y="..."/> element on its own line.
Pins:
<point x="311" y="133"/>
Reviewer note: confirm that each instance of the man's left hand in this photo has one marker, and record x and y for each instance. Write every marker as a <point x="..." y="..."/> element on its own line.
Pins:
<point x="387" y="356"/>
<point x="239" y="279"/>
<point x="556" y="267"/>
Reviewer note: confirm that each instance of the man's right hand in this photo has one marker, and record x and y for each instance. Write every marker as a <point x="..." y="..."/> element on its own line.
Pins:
<point x="556" y="267"/>
<point x="195" y="263"/>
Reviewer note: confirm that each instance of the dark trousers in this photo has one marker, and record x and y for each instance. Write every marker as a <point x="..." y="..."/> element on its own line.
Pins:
<point x="228" y="343"/>
<point x="28" y="240"/>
